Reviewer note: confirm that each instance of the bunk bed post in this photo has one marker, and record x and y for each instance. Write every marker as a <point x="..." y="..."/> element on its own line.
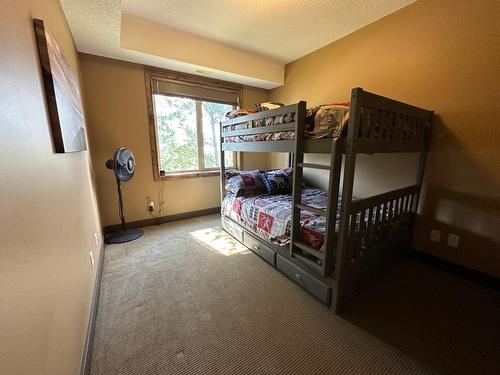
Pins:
<point x="421" y="169"/>
<point x="298" y="157"/>
<point x="347" y="190"/>
<point x="423" y="159"/>
<point x="222" y="167"/>
<point x="332" y="204"/>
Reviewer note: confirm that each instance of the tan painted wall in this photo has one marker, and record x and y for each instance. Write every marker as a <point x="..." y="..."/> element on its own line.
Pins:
<point x="441" y="55"/>
<point x="48" y="213"/>
<point x="367" y="179"/>
<point x="225" y="62"/>
<point x="115" y="99"/>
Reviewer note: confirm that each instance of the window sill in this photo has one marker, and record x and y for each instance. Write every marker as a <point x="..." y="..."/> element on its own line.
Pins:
<point x="183" y="175"/>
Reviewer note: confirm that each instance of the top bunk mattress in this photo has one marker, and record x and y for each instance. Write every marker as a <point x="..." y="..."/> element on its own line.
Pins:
<point x="324" y="121"/>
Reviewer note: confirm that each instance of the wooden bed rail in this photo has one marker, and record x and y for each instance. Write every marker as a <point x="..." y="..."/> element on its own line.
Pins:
<point x="377" y="221"/>
<point x="366" y="203"/>
<point x="379" y="228"/>
<point x="292" y="108"/>
<point x="290" y="126"/>
<point x="387" y="125"/>
<point x="298" y="111"/>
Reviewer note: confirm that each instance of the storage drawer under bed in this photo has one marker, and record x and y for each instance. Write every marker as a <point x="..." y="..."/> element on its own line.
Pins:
<point x="233" y="229"/>
<point x="265" y="252"/>
<point x="307" y="281"/>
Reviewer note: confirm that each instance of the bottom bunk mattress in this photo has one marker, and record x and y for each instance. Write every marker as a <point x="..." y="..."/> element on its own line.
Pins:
<point x="270" y="216"/>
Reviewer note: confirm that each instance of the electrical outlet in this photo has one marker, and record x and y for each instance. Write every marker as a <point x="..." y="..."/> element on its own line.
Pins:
<point x="453" y="240"/>
<point x="435" y="235"/>
<point x="151" y="206"/>
<point x="91" y="254"/>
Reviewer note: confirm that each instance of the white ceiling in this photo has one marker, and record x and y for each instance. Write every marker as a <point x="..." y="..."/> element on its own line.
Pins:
<point x="280" y="30"/>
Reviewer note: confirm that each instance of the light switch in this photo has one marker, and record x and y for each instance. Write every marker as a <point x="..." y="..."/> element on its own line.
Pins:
<point x="453" y="240"/>
<point x="435" y="235"/>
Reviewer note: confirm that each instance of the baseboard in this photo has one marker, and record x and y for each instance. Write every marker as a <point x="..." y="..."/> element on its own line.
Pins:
<point x="89" y="338"/>
<point x="457" y="269"/>
<point x="163" y="219"/>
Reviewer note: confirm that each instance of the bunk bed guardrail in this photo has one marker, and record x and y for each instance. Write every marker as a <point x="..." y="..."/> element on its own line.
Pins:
<point x="378" y="227"/>
<point x="386" y="125"/>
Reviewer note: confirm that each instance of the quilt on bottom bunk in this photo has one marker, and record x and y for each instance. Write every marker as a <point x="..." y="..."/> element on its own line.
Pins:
<point x="269" y="216"/>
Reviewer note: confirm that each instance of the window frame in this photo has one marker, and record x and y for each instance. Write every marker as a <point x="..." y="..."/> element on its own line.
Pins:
<point x="151" y="74"/>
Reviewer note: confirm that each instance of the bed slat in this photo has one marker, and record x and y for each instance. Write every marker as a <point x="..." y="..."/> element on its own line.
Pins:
<point x="317" y="211"/>
<point x="263" y="146"/>
<point x="289" y="126"/>
<point x="308" y="249"/>
<point x="314" y="166"/>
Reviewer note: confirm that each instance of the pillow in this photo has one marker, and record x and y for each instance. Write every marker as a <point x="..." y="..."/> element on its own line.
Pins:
<point x="278" y="181"/>
<point x="266" y="106"/>
<point x="246" y="183"/>
<point x="239" y="112"/>
<point x="228" y="173"/>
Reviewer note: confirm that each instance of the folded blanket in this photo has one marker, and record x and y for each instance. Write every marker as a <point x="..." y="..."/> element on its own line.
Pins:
<point x="323" y="121"/>
<point x="327" y="121"/>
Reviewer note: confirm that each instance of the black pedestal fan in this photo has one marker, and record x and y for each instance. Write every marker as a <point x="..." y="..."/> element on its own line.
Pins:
<point x="123" y="166"/>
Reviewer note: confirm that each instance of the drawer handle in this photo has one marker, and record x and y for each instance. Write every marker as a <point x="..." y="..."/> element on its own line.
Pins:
<point x="256" y="247"/>
<point x="298" y="277"/>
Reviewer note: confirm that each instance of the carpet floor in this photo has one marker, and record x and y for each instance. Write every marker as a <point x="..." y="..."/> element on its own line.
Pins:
<point x="187" y="299"/>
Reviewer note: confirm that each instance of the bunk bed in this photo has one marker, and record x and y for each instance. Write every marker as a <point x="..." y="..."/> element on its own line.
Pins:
<point x="359" y="237"/>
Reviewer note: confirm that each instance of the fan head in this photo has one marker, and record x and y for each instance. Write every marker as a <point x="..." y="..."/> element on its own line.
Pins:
<point x="122" y="164"/>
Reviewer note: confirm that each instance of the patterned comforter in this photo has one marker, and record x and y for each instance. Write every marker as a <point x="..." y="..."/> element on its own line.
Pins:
<point x="324" y="121"/>
<point x="269" y="216"/>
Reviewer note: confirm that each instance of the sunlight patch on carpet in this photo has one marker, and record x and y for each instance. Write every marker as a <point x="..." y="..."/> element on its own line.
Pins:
<point x="219" y="241"/>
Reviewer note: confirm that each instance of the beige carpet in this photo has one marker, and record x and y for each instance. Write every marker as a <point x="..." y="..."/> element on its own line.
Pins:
<point x="185" y="300"/>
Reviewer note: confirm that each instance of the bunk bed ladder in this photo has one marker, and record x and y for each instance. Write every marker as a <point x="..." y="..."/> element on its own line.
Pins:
<point x="333" y="196"/>
<point x="298" y="158"/>
<point x="330" y="213"/>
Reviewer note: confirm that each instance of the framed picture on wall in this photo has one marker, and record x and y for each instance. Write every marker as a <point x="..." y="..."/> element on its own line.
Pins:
<point x="62" y="93"/>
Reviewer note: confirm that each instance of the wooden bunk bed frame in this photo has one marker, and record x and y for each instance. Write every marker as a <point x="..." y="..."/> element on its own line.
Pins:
<point x="373" y="231"/>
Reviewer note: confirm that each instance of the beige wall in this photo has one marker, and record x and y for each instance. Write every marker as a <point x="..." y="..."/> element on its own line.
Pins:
<point x="48" y="209"/>
<point x="367" y="180"/>
<point x="115" y="99"/>
<point x="224" y="62"/>
<point x="441" y="55"/>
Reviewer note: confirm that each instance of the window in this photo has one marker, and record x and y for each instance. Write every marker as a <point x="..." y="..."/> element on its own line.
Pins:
<point x="185" y="117"/>
<point x="188" y="133"/>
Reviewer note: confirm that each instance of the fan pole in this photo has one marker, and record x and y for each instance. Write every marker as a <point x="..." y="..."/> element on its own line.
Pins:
<point x="120" y="203"/>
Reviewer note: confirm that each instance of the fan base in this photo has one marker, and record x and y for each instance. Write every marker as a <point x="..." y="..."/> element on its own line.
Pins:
<point x="123" y="236"/>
